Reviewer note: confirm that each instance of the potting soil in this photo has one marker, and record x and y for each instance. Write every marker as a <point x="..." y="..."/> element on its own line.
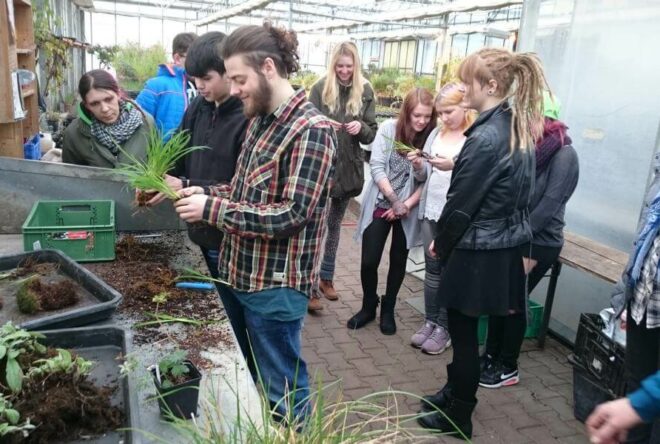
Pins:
<point x="145" y="268"/>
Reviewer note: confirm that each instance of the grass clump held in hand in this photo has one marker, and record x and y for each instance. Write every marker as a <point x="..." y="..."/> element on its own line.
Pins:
<point x="402" y="148"/>
<point x="161" y="158"/>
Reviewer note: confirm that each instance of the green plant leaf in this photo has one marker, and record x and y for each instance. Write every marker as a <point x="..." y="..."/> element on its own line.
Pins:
<point x="14" y="375"/>
<point x="12" y="416"/>
<point x="3" y="351"/>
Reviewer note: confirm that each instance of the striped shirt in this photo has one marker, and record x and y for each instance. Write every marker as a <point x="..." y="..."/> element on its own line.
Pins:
<point x="273" y="211"/>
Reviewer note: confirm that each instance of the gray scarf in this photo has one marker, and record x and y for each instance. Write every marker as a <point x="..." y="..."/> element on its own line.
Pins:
<point x="110" y="136"/>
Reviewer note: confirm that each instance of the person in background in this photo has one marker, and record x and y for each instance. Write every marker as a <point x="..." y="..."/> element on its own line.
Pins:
<point x="348" y="99"/>
<point x="106" y="122"/>
<point x="610" y="422"/>
<point x="484" y="231"/>
<point x="557" y="172"/>
<point x="167" y="95"/>
<point x="273" y="212"/>
<point x="390" y="204"/>
<point x="214" y="119"/>
<point x="442" y="147"/>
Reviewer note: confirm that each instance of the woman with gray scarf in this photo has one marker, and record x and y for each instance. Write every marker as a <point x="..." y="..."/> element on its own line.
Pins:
<point x="106" y="121"/>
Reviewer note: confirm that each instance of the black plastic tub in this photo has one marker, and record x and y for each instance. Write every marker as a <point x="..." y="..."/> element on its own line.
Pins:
<point x="179" y="400"/>
<point x="98" y="300"/>
<point x="588" y="392"/>
<point x="103" y="345"/>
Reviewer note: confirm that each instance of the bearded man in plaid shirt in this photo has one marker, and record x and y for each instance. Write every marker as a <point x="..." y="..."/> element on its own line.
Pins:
<point x="272" y="213"/>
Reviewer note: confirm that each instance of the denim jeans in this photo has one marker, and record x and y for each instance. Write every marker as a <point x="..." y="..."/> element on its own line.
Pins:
<point x="233" y="308"/>
<point x="276" y="350"/>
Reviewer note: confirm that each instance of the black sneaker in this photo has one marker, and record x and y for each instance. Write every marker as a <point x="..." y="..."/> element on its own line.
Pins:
<point x="498" y="375"/>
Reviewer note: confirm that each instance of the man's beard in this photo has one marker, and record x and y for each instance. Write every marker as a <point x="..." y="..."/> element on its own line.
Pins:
<point x="259" y="103"/>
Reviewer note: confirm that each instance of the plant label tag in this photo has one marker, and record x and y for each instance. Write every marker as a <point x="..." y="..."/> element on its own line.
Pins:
<point x="36" y="245"/>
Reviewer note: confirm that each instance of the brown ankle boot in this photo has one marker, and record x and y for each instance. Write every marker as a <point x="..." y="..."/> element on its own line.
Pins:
<point x="328" y="290"/>
<point x="314" y="305"/>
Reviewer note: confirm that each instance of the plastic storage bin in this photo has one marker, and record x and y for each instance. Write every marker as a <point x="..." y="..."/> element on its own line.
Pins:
<point x="82" y="229"/>
<point x="602" y="357"/>
<point x="532" y="331"/>
<point x="587" y="391"/>
<point x="32" y="148"/>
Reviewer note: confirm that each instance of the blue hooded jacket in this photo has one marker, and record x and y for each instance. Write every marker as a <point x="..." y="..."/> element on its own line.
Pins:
<point x="165" y="98"/>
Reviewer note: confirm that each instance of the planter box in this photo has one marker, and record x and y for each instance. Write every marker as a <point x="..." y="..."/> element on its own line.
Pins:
<point x="83" y="229"/>
<point x="180" y="400"/>
<point x="103" y="345"/>
<point x="98" y="301"/>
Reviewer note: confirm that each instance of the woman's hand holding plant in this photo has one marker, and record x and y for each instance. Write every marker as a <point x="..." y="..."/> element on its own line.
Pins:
<point x="416" y="159"/>
<point x="442" y="163"/>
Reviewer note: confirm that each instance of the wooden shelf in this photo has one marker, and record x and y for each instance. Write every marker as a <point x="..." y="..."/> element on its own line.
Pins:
<point x="28" y="92"/>
<point x="22" y="3"/>
<point x="24" y="51"/>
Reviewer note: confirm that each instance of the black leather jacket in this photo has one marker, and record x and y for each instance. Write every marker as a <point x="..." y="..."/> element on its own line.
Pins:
<point x="490" y="190"/>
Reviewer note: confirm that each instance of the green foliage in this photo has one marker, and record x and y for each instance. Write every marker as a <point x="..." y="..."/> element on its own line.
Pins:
<point x="384" y="81"/>
<point x="104" y="54"/>
<point x="306" y="79"/>
<point x="135" y="64"/>
<point x="160" y="298"/>
<point x="450" y="71"/>
<point x="162" y="156"/>
<point x="26" y="299"/>
<point x="9" y="419"/>
<point x="63" y="362"/>
<point x="53" y="50"/>
<point x="172" y="367"/>
<point x="13" y="342"/>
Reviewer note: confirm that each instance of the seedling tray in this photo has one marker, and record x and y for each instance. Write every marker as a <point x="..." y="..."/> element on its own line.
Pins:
<point x="97" y="300"/>
<point x="103" y="345"/>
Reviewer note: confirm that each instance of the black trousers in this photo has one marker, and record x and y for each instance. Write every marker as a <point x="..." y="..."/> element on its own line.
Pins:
<point x="506" y="333"/>
<point x="464" y="375"/>
<point x="373" y="244"/>
<point x="642" y="360"/>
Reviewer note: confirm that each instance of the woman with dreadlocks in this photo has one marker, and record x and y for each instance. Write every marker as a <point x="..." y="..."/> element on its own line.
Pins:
<point x="484" y="230"/>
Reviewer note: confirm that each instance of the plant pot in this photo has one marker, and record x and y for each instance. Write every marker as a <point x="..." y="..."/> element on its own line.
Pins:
<point x="179" y="400"/>
<point x="53" y="124"/>
<point x="386" y="100"/>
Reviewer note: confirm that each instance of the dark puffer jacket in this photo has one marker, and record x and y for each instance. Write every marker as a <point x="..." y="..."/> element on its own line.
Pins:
<point x="349" y="170"/>
<point x="490" y="190"/>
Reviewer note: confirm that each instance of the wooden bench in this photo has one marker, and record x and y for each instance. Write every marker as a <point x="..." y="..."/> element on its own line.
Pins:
<point x="586" y="255"/>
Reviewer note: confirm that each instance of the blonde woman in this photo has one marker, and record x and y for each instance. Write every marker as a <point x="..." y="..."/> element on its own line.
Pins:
<point x="443" y="146"/>
<point x="484" y="230"/>
<point x="347" y="98"/>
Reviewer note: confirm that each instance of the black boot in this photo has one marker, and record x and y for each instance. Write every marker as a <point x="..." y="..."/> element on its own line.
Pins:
<point x="366" y="314"/>
<point x="439" y="400"/>
<point x="459" y="412"/>
<point x="387" y="324"/>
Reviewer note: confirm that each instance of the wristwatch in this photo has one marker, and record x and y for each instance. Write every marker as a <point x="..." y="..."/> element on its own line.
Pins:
<point x="185" y="183"/>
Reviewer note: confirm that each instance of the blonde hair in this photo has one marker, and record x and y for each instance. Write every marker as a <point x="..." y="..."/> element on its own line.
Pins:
<point x="451" y="94"/>
<point x="330" y="95"/>
<point x="520" y="78"/>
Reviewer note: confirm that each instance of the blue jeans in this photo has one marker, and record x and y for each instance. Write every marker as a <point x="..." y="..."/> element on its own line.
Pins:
<point x="233" y="308"/>
<point x="275" y="349"/>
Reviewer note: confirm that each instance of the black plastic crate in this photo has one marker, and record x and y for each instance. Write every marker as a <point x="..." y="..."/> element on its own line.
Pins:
<point x="587" y="391"/>
<point x="98" y="303"/>
<point x="599" y="354"/>
<point x="104" y="345"/>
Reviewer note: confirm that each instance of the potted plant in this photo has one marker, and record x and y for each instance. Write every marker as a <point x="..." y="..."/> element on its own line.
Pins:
<point x="177" y="383"/>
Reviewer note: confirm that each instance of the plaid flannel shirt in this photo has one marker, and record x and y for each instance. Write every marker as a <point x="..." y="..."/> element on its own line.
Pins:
<point x="273" y="211"/>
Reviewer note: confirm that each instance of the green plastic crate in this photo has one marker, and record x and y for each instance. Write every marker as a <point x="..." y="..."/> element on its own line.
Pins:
<point x="536" y="317"/>
<point x="82" y="229"/>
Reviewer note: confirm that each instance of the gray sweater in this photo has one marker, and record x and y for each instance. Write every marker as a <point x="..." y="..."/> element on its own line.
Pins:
<point x="553" y="188"/>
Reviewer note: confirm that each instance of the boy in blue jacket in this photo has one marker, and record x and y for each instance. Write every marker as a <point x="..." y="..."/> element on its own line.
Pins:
<point x="610" y="422"/>
<point x="167" y="95"/>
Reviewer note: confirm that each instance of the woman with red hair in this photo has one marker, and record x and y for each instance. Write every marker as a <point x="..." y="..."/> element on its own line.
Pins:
<point x="390" y="203"/>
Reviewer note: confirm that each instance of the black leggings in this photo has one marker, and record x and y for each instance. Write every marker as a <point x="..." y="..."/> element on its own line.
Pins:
<point x="464" y="376"/>
<point x="373" y="243"/>
<point x="506" y="333"/>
